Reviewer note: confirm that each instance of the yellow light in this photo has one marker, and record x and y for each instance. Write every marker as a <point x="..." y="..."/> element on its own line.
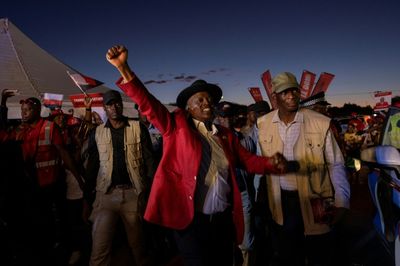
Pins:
<point x="357" y="164"/>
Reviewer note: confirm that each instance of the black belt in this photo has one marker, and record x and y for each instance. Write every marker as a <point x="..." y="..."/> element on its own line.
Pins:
<point x="290" y="193"/>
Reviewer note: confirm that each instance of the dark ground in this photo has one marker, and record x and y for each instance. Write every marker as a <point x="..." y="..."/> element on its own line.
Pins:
<point x="358" y="242"/>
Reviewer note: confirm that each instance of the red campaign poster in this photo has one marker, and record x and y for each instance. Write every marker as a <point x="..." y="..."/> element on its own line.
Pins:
<point x="382" y="99"/>
<point x="323" y="82"/>
<point x="267" y="82"/>
<point x="306" y="84"/>
<point x="78" y="100"/>
<point x="256" y="94"/>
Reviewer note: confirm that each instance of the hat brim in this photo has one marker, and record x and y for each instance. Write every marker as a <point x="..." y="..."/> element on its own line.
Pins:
<point x="312" y="102"/>
<point x="214" y="91"/>
<point x="324" y="103"/>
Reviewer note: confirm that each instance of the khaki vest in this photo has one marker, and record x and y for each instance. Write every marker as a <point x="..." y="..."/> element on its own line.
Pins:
<point x="133" y="156"/>
<point x="312" y="178"/>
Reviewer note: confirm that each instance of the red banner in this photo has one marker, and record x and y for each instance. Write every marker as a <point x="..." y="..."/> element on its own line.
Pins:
<point x="256" y="94"/>
<point x="323" y="82"/>
<point x="78" y="100"/>
<point x="306" y="84"/>
<point x="267" y="82"/>
<point x="382" y="99"/>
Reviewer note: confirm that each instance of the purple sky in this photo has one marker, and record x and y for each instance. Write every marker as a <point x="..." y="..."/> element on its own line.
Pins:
<point x="172" y="43"/>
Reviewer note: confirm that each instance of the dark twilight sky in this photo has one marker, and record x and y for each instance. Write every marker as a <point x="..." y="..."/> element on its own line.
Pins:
<point x="171" y="42"/>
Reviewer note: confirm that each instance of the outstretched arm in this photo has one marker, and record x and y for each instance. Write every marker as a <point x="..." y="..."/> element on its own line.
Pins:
<point x="152" y="108"/>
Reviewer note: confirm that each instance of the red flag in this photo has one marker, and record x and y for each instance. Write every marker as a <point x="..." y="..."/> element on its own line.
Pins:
<point x="52" y="100"/>
<point x="323" y="82"/>
<point x="306" y="84"/>
<point x="83" y="82"/>
<point x="267" y="82"/>
<point x="78" y="100"/>
<point x="256" y="94"/>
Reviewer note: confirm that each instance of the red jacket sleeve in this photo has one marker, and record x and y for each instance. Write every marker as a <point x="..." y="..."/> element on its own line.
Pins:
<point x="152" y="108"/>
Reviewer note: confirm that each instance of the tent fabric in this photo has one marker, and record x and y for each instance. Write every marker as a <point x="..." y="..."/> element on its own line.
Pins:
<point x="33" y="71"/>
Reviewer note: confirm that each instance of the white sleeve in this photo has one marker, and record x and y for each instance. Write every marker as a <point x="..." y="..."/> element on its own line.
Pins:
<point x="337" y="171"/>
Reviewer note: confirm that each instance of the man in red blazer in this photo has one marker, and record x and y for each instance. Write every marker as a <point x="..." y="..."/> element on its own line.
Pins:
<point x="194" y="190"/>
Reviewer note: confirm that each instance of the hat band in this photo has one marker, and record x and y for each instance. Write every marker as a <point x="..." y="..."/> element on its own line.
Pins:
<point x="312" y="102"/>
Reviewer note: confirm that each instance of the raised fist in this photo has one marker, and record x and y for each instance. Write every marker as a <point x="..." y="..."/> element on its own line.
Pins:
<point x="117" y="55"/>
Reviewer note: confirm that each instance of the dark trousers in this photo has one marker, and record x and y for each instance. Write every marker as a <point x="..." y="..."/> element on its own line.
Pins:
<point x="292" y="246"/>
<point x="208" y="240"/>
<point x="45" y="229"/>
<point x="78" y="236"/>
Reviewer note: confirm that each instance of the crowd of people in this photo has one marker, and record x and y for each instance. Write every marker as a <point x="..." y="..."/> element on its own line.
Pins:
<point x="212" y="183"/>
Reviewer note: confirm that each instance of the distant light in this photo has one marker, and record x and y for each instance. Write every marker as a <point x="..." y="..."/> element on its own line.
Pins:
<point x="357" y="164"/>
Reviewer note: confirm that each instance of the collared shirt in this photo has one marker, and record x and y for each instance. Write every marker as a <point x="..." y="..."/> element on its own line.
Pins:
<point x="289" y="134"/>
<point x="212" y="183"/>
<point x="333" y="158"/>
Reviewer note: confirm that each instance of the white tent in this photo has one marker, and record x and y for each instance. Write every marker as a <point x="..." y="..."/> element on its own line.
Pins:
<point x="30" y="69"/>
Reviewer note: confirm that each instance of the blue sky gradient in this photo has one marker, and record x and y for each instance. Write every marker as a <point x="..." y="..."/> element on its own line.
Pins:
<point x="231" y="43"/>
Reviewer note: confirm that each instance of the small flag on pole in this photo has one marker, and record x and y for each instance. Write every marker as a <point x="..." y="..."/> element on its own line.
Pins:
<point x="83" y="82"/>
<point x="52" y="100"/>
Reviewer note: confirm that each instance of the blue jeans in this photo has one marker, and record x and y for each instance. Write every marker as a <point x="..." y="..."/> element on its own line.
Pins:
<point x="248" y="238"/>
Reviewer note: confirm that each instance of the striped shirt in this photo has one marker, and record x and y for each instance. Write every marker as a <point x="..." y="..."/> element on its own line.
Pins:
<point x="289" y="134"/>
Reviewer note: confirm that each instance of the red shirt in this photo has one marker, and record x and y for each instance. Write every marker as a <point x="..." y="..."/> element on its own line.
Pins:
<point x="29" y="134"/>
<point x="359" y="125"/>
